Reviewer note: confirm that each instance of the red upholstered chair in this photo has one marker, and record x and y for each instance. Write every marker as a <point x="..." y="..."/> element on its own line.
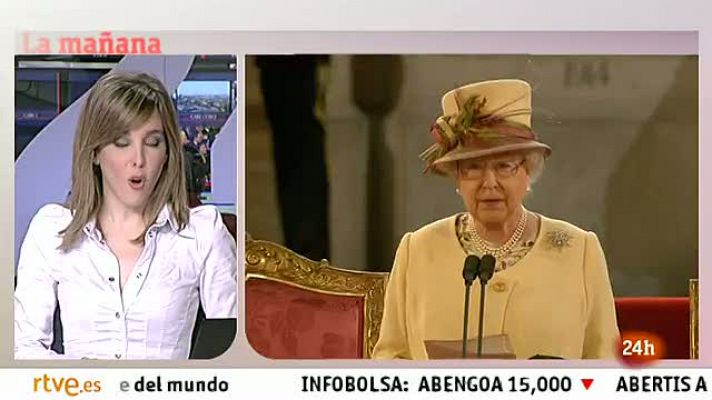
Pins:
<point x="300" y="309"/>
<point x="668" y="317"/>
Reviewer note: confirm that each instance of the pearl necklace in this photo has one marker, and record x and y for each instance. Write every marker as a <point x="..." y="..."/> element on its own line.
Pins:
<point x="499" y="252"/>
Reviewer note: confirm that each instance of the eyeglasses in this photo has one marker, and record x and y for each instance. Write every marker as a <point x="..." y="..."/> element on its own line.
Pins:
<point x="474" y="169"/>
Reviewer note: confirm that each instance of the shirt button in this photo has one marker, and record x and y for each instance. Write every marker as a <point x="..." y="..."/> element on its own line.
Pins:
<point x="118" y="315"/>
<point x="117" y="355"/>
<point x="111" y="279"/>
<point x="499" y="287"/>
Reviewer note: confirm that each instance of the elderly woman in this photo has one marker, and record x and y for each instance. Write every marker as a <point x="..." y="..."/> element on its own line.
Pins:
<point x="550" y="294"/>
<point x="125" y="259"/>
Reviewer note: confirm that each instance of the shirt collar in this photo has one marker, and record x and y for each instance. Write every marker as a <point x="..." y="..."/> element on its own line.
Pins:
<point x="165" y="216"/>
<point x="91" y="230"/>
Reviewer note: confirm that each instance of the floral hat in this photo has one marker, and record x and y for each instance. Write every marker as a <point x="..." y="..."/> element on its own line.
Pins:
<point x="482" y="119"/>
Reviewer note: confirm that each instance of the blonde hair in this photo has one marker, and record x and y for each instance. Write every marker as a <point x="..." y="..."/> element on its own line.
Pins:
<point x="117" y="103"/>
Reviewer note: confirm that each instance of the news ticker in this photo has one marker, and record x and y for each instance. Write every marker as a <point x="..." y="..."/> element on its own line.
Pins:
<point x="207" y="384"/>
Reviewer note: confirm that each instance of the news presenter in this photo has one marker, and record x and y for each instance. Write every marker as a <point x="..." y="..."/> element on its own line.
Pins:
<point x="550" y="294"/>
<point x="125" y="259"/>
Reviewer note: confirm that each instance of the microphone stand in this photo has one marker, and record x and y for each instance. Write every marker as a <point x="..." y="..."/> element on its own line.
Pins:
<point x="485" y="273"/>
<point x="481" y="319"/>
<point x="470" y="270"/>
<point x="468" y="287"/>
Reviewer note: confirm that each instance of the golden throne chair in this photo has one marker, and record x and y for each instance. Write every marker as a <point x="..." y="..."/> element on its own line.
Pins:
<point x="694" y="319"/>
<point x="297" y="308"/>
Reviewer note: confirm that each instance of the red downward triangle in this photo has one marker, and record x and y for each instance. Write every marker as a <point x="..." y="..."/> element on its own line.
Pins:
<point x="587" y="383"/>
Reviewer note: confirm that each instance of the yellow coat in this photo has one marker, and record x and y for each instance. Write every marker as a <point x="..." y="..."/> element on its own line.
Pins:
<point x="555" y="301"/>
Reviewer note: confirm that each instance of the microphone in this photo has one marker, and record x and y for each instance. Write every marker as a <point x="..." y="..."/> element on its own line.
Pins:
<point x="471" y="269"/>
<point x="486" y="268"/>
<point x="469" y="272"/>
<point x="484" y="273"/>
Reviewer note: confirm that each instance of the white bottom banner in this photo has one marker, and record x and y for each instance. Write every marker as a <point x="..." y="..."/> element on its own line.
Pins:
<point x="429" y="384"/>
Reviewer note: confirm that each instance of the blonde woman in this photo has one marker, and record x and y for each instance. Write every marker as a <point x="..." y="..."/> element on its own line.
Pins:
<point x="126" y="260"/>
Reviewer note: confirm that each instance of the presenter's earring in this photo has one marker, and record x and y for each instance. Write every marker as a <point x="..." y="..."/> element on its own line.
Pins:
<point x="457" y="190"/>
